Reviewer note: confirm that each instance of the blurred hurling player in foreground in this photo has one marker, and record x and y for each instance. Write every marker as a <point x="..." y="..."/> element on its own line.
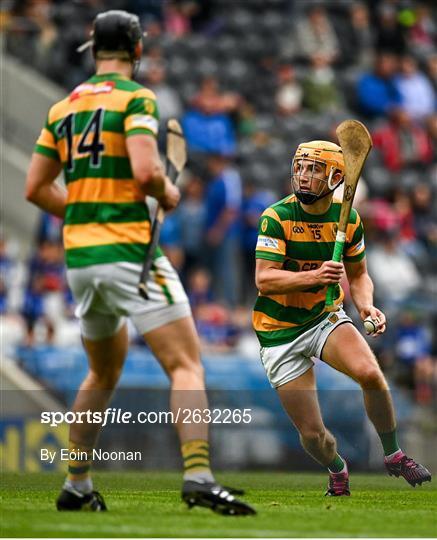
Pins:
<point x="103" y="135"/>
<point x="293" y="270"/>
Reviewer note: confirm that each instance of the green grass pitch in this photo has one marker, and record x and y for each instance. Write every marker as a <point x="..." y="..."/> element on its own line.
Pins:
<point x="289" y="505"/>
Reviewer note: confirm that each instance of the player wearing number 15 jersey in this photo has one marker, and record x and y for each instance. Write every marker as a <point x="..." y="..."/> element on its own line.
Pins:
<point x="103" y="136"/>
<point x="293" y="270"/>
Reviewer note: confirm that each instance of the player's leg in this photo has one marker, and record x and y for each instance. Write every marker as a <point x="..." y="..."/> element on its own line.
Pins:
<point x="347" y="351"/>
<point x="105" y="357"/>
<point x="299" y="399"/>
<point x="176" y="346"/>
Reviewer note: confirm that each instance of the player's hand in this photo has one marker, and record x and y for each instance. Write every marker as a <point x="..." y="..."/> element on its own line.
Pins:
<point x="171" y="196"/>
<point x="378" y="318"/>
<point x="329" y="273"/>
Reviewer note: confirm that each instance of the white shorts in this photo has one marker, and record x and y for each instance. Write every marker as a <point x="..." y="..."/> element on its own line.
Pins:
<point x="289" y="361"/>
<point x="107" y="293"/>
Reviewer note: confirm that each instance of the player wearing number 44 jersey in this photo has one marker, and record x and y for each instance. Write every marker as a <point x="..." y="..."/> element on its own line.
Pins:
<point x="103" y="136"/>
<point x="293" y="271"/>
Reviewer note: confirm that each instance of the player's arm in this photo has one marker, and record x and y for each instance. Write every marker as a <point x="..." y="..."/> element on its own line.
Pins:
<point x="271" y="278"/>
<point x="361" y="288"/>
<point x="141" y="129"/>
<point x="41" y="188"/>
<point x="148" y="170"/>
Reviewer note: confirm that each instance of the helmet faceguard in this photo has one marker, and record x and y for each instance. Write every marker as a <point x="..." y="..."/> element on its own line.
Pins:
<point x="316" y="161"/>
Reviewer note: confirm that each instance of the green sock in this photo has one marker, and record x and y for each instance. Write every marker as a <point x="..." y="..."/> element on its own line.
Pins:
<point x="389" y="442"/>
<point x="336" y="465"/>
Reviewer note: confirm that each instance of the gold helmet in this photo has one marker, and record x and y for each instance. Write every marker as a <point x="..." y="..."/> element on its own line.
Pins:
<point x="327" y="152"/>
<point x="324" y="152"/>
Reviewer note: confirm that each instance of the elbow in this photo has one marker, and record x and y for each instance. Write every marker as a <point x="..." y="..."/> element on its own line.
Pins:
<point x="30" y="194"/>
<point x="146" y="175"/>
<point x="262" y="285"/>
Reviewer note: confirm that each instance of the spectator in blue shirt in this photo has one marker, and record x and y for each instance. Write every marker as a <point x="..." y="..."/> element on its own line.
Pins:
<point x="377" y="92"/>
<point x="223" y="227"/>
<point x="191" y="213"/>
<point x="255" y="201"/>
<point x="207" y="125"/>
<point x="416" y="91"/>
<point x="415" y="365"/>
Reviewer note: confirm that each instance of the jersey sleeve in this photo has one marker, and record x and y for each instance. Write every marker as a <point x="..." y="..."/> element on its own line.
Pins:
<point x="142" y="116"/>
<point x="271" y="237"/>
<point x="355" y="249"/>
<point x="46" y="143"/>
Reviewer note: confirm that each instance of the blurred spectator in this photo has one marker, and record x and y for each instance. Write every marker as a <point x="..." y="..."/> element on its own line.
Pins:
<point x="255" y="201"/>
<point x="32" y="33"/>
<point x="211" y="100"/>
<point x="191" y="214"/>
<point x="49" y="229"/>
<point x="431" y="69"/>
<point x="208" y="126"/>
<point x="213" y="321"/>
<point x="199" y="288"/>
<point x="357" y="37"/>
<point x="401" y="206"/>
<point x="247" y="120"/>
<point x="418" y="97"/>
<point x="288" y="97"/>
<point x="176" y="22"/>
<point x="423" y="34"/>
<point x="414" y="364"/>
<point x="33" y="310"/>
<point x="390" y="35"/>
<point x="223" y="227"/>
<point x="44" y="295"/>
<point x="402" y="142"/>
<point x="171" y="241"/>
<point x="377" y="92"/>
<point x="320" y="93"/>
<point x="386" y="260"/>
<point x="316" y="35"/>
<point x="6" y="267"/>
<point x="425" y="219"/>
<point x="169" y="102"/>
<point x="431" y="125"/>
<point x="148" y="10"/>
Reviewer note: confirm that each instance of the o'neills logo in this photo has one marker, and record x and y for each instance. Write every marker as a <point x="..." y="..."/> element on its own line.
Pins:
<point x="87" y="89"/>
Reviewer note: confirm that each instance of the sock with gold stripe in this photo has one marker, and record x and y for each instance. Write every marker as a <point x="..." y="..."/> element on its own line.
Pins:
<point x="195" y="454"/>
<point x="79" y="467"/>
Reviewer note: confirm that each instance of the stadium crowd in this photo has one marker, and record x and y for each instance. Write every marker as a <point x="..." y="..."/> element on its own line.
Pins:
<point x="250" y="79"/>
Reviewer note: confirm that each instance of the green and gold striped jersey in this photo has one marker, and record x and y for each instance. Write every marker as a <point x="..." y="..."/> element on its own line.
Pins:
<point x="301" y="242"/>
<point x="106" y="217"/>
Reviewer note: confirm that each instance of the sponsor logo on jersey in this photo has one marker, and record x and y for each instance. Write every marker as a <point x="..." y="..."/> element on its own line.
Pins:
<point x="149" y="105"/>
<point x="88" y="89"/>
<point x="267" y="242"/>
<point x="298" y="230"/>
<point x="264" y="225"/>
